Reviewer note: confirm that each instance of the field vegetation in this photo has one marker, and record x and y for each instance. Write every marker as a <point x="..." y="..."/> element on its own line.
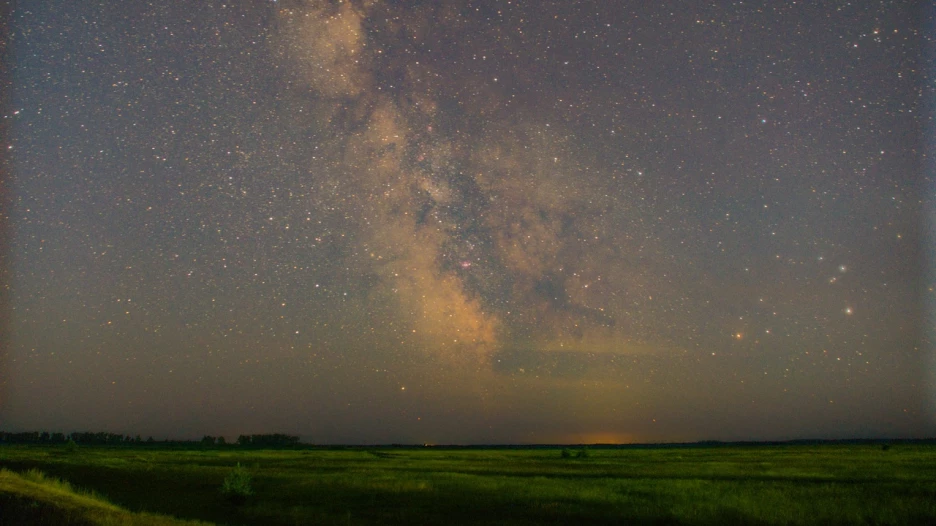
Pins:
<point x="791" y="484"/>
<point x="36" y="499"/>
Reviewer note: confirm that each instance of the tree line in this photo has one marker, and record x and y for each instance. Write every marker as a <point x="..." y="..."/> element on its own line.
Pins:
<point x="116" y="439"/>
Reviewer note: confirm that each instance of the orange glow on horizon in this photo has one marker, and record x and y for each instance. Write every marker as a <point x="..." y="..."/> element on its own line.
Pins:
<point x="599" y="437"/>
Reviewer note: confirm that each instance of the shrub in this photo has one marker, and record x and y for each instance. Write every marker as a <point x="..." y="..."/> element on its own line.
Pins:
<point x="583" y="453"/>
<point x="566" y="453"/>
<point x="236" y="487"/>
<point x="71" y="446"/>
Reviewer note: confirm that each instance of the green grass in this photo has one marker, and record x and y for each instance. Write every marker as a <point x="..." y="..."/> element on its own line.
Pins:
<point x="828" y="484"/>
<point x="34" y="498"/>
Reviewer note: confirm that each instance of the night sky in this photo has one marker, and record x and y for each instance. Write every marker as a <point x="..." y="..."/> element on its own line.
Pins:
<point x="469" y="221"/>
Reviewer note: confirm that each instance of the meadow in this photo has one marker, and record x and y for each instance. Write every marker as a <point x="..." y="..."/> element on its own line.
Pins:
<point x="781" y="484"/>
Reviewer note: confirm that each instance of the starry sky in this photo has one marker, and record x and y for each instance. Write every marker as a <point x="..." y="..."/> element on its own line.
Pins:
<point x="469" y="221"/>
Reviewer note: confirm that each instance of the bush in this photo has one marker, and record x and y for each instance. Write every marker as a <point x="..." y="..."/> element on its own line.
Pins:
<point x="71" y="446"/>
<point x="566" y="453"/>
<point x="236" y="487"/>
<point x="583" y="453"/>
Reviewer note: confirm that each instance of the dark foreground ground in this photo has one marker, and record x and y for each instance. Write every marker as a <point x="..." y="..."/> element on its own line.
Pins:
<point x="791" y="484"/>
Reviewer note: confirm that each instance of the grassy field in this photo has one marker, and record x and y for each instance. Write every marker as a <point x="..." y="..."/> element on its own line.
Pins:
<point x="35" y="498"/>
<point x="827" y="484"/>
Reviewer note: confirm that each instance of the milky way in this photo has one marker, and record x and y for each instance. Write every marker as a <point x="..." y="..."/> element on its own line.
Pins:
<point x="462" y="222"/>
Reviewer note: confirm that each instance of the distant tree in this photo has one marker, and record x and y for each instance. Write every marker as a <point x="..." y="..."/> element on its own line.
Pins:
<point x="208" y="440"/>
<point x="150" y="440"/>
<point x="221" y="441"/>
<point x="26" y="437"/>
<point x="243" y="440"/>
<point x="273" y="440"/>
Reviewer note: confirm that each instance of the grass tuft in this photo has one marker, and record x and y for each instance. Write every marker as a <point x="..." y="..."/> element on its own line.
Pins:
<point x="236" y="487"/>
